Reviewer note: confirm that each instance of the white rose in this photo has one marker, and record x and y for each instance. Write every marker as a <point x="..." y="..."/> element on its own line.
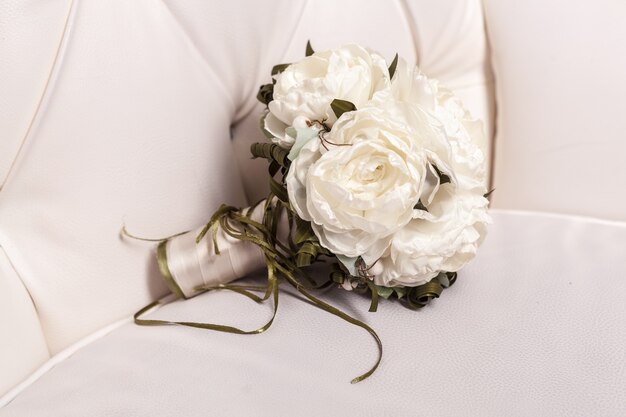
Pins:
<point x="445" y="242"/>
<point x="358" y="183"/>
<point x="304" y="90"/>
<point x="447" y="236"/>
<point x="422" y="102"/>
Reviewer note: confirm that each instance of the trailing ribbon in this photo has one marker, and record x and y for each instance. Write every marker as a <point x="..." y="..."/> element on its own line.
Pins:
<point x="278" y="260"/>
<point x="236" y="242"/>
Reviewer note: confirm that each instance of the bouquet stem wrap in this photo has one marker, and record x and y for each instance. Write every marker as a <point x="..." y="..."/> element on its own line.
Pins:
<point x="233" y="244"/>
<point x="191" y="265"/>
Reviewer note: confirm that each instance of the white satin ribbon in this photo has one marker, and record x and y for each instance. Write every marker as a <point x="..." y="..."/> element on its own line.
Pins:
<point x="194" y="264"/>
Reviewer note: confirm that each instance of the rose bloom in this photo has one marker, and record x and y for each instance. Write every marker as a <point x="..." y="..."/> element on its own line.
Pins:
<point x="452" y="227"/>
<point x="358" y="184"/>
<point x="399" y="183"/>
<point x="304" y="90"/>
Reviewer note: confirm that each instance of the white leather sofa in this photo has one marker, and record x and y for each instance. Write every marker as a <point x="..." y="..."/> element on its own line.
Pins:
<point x="140" y="113"/>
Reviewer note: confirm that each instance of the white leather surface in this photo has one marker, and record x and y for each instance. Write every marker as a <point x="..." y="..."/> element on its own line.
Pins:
<point x="135" y="122"/>
<point x="560" y="68"/>
<point x="23" y="345"/>
<point x="533" y="327"/>
<point x="30" y="37"/>
<point x="445" y="38"/>
<point x="135" y="131"/>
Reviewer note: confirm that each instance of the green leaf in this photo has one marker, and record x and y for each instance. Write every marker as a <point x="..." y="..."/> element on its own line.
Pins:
<point x="266" y="93"/>
<point x="277" y="69"/>
<point x="400" y="291"/>
<point x="393" y="66"/>
<point x="338" y="277"/>
<point x="304" y="232"/>
<point x="341" y="106"/>
<point x="273" y="168"/>
<point x="307" y="254"/>
<point x="420" y="206"/>
<point x="291" y="131"/>
<point x="452" y="276"/>
<point x="374" y="303"/>
<point x="443" y="178"/>
<point x="279" y="190"/>
<point x="348" y="263"/>
<point x="337" y="274"/>
<point x="271" y="152"/>
<point x="443" y="279"/>
<point x="267" y="134"/>
<point x="309" y="49"/>
<point x="302" y="135"/>
<point x="384" y="292"/>
<point x="418" y="297"/>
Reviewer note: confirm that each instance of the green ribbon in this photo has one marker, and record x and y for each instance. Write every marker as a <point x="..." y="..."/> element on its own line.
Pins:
<point x="286" y="261"/>
<point x="272" y="288"/>
<point x="165" y="270"/>
<point x="229" y="219"/>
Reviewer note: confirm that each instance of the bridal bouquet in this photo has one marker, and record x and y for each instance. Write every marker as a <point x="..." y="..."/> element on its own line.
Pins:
<point x="374" y="170"/>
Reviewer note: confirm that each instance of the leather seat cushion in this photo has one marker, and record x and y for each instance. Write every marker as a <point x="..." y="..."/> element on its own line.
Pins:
<point x="534" y="326"/>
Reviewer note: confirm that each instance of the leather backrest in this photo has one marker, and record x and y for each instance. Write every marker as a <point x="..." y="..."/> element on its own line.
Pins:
<point x="561" y="130"/>
<point x="140" y="113"/>
<point x="30" y="36"/>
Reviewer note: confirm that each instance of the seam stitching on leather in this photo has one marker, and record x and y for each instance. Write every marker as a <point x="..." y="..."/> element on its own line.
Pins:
<point x="198" y="51"/>
<point x="47" y="89"/>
